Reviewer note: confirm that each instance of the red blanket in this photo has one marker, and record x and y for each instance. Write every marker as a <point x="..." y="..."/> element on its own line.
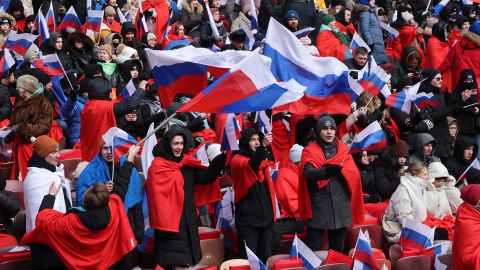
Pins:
<point x="466" y="240"/>
<point x="164" y="187"/>
<point x="286" y="189"/>
<point x="244" y="177"/>
<point x="313" y="154"/>
<point x="79" y="247"/>
<point x="96" y="119"/>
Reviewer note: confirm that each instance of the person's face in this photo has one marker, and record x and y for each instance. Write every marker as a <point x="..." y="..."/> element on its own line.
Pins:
<point x="361" y="59"/>
<point x="427" y="149"/>
<point x="365" y="160"/>
<point x="348" y="15"/>
<point x="293" y="23"/>
<point x="194" y="3"/>
<point x="472" y="14"/>
<point x="103" y="56"/>
<point x="79" y="44"/>
<point x="31" y="26"/>
<point x="53" y="158"/>
<point x="437" y="81"/>
<point x="216" y="3"/>
<point x="110" y="18"/>
<point x="5" y="27"/>
<point x="181" y="30"/>
<point x="412" y="62"/>
<point x="333" y="24"/>
<point x="468" y="153"/>
<point x="327" y="134"/>
<point x="337" y="9"/>
<point x="423" y="175"/>
<point x="372" y="3"/>
<point x="439" y="182"/>
<point x="131" y="117"/>
<point x="453" y="129"/>
<point x="238" y="45"/>
<point x="48" y="86"/>
<point x="177" y="145"/>
<point x="152" y="42"/>
<point x="254" y="142"/>
<point x="106" y="153"/>
<point x="129" y="36"/>
<point x="59" y="44"/>
<point x="112" y="2"/>
<point x="134" y="73"/>
<point x="389" y="85"/>
<point x="465" y="26"/>
<point x="216" y="16"/>
<point x="402" y="160"/>
<point x="24" y="94"/>
<point x="33" y="58"/>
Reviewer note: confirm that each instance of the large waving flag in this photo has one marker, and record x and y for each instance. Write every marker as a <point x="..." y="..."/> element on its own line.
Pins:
<point x="70" y="23"/>
<point x="6" y="62"/>
<point x="376" y="81"/>
<point x="357" y="42"/>
<point x="42" y="27"/>
<point x="363" y="254"/>
<point x="370" y="138"/>
<point x="254" y="261"/>
<point x="434" y="251"/>
<point x="326" y="78"/>
<point x="246" y="87"/>
<point x="50" y="18"/>
<point x="302" y="251"/>
<point x="185" y="70"/>
<point x="425" y="99"/>
<point x="415" y="235"/>
<point x="49" y="64"/>
<point x="19" y="43"/>
<point x="94" y="21"/>
<point x="120" y="141"/>
<point x="438" y="7"/>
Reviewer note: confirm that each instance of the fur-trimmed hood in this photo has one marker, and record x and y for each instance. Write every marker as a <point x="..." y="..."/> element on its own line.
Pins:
<point x="186" y="7"/>
<point x="9" y="17"/>
<point x="470" y="36"/>
<point x="359" y="9"/>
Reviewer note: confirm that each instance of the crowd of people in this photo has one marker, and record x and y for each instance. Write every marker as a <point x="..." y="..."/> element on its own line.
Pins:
<point x="428" y="172"/>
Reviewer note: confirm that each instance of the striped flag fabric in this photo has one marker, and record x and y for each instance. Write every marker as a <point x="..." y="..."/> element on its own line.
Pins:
<point x="49" y="64"/>
<point x="253" y="15"/>
<point x="363" y="257"/>
<point x="42" y="28"/>
<point x="50" y="18"/>
<point x="434" y="251"/>
<point x="376" y="81"/>
<point x="263" y="122"/>
<point x="201" y="154"/>
<point x="70" y="23"/>
<point x="415" y="235"/>
<point x="438" y="7"/>
<point x="120" y="141"/>
<point x="127" y="91"/>
<point x="147" y="156"/>
<point x="304" y="32"/>
<point x="370" y="138"/>
<point x="6" y="62"/>
<point x="302" y="251"/>
<point x="225" y="217"/>
<point x="254" y="261"/>
<point x="357" y="42"/>
<point x="231" y="133"/>
<point x="19" y="43"/>
<point x="94" y="21"/>
<point x="121" y="16"/>
<point x="392" y="33"/>
<point x="212" y="22"/>
<point x="425" y="99"/>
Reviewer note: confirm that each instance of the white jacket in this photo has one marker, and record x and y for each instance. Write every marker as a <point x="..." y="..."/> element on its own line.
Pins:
<point x="442" y="201"/>
<point x="408" y="201"/>
<point x="37" y="185"/>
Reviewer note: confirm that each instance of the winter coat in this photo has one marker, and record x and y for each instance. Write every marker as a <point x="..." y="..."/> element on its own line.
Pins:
<point x="37" y="184"/>
<point x="33" y="117"/>
<point x="71" y="114"/>
<point x="442" y="201"/>
<point x="269" y="9"/>
<point x="464" y="55"/>
<point x="80" y="58"/>
<point x="192" y="19"/>
<point x="418" y="157"/>
<point x="241" y="21"/>
<point x="206" y="34"/>
<point x="386" y="175"/>
<point x="344" y="27"/>
<point x="436" y="53"/>
<point x="457" y="164"/>
<point x="328" y="44"/>
<point x="406" y="125"/>
<point x="5" y="104"/>
<point x="402" y="205"/>
<point x="9" y="207"/>
<point x="306" y="11"/>
<point x="469" y="121"/>
<point x="48" y="47"/>
<point x="401" y="69"/>
<point x="408" y="37"/>
<point x="4" y="35"/>
<point x="371" y="32"/>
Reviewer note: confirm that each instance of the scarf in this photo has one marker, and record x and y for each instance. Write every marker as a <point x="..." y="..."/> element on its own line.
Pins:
<point x="342" y="37"/>
<point x="416" y="188"/>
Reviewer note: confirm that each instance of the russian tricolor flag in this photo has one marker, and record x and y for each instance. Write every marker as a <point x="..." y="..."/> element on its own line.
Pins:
<point x="49" y="64"/>
<point x="201" y="154"/>
<point x="213" y="26"/>
<point x="303" y="32"/>
<point x="370" y="138"/>
<point x="230" y="133"/>
<point x="254" y="261"/>
<point x="403" y="100"/>
<point x="185" y="70"/>
<point x="253" y="15"/>
<point x="415" y="235"/>
<point x="6" y="63"/>
<point x="425" y="99"/>
<point x="41" y="24"/>
<point x="94" y="21"/>
<point x="225" y="218"/>
<point x="302" y="251"/>
<point x="127" y="91"/>
<point x="326" y="78"/>
<point x="263" y="123"/>
<point x="246" y="87"/>
<point x="50" y="18"/>
<point x="147" y="243"/>
<point x="376" y="81"/>
<point x="392" y="33"/>
<point x="363" y="254"/>
<point x="70" y="23"/>
<point x="19" y="43"/>
<point x="438" y="7"/>
<point x="357" y="42"/>
<point x="434" y="251"/>
<point x="120" y="141"/>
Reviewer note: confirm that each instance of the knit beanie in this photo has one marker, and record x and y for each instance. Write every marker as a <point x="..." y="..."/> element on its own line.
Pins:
<point x="471" y="194"/>
<point x="107" y="48"/>
<point x="399" y="149"/>
<point x="429" y="74"/>
<point x="326" y="121"/>
<point x="109" y="10"/>
<point x="326" y="19"/>
<point x="44" y="145"/>
<point x="407" y="16"/>
<point x="296" y="153"/>
<point x="27" y="83"/>
<point x="290" y="15"/>
<point x="29" y="54"/>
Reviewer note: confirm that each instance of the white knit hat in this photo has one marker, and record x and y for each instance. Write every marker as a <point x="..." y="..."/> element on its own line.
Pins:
<point x="407" y="16"/>
<point x="296" y="153"/>
<point x="213" y="150"/>
<point x="125" y="54"/>
<point x="438" y="170"/>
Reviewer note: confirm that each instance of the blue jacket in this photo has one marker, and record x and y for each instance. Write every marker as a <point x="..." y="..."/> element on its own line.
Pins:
<point x="71" y="114"/>
<point x="371" y="32"/>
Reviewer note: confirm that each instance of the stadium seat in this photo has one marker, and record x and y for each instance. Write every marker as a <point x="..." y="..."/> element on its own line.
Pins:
<point x="20" y="225"/>
<point x="374" y="230"/>
<point x="395" y="252"/>
<point x="16" y="261"/>
<point x="335" y="266"/>
<point x="414" y="262"/>
<point x="274" y="258"/>
<point x="212" y="252"/>
<point x="16" y="187"/>
<point x="446" y="259"/>
<point x="226" y="265"/>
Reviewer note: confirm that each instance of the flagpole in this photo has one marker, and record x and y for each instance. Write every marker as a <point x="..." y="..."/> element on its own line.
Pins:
<point x="64" y="71"/>
<point x="465" y="172"/>
<point x="157" y="128"/>
<point x="470" y="105"/>
<point x="370" y="101"/>
<point x="355" y="249"/>
<point x="348" y="152"/>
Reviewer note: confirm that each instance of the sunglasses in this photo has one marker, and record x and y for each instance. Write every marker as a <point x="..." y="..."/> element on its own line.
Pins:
<point x="438" y="78"/>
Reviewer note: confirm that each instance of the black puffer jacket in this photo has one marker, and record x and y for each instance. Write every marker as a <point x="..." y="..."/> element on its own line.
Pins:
<point x="367" y="175"/>
<point x="80" y="57"/>
<point x="457" y="164"/>
<point x="9" y="206"/>
<point x="468" y="119"/>
<point x="48" y="47"/>
<point x="386" y="175"/>
<point x="5" y="104"/>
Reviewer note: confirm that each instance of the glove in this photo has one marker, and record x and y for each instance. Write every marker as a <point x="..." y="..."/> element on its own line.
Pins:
<point x="428" y="123"/>
<point x="73" y="94"/>
<point x="408" y="123"/>
<point x="220" y="159"/>
<point x="333" y="170"/>
<point x="371" y="47"/>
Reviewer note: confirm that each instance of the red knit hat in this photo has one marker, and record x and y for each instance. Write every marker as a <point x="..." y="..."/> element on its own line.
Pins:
<point x="471" y="194"/>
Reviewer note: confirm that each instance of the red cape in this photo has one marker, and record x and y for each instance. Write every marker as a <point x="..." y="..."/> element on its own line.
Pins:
<point x="114" y="27"/>
<point x="96" y="118"/>
<point x="244" y="177"/>
<point x="407" y="35"/>
<point x="163" y="15"/>
<point x="207" y="134"/>
<point x="466" y="239"/>
<point x="281" y="144"/>
<point x="79" y="247"/>
<point x="313" y="154"/>
<point x="286" y="187"/>
<point x="164" y="187"/>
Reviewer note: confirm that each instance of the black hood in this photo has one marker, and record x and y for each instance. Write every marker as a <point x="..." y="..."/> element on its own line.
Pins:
<point x="163" y="149"/>
<point x="126" y="27"/>
<point x="95" y="219"/>
<point x="407" y="53"/>
<point x="99" y="88"/>
<point x="461" y="144"/>
<point x="72" y="37"/>
<point x="438" y="30"/>
<point x="245" y="136"/>
<point x="340" y="17"/>
<point x="445" y="13"/>
<point x="52" y="40"/>
<point x="466" y="74"/>
<point x="128" y="65"/>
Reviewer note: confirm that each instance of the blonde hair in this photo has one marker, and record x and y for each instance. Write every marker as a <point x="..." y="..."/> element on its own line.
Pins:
<point x="365" y="97"/>
<point x="415" y="169"/>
